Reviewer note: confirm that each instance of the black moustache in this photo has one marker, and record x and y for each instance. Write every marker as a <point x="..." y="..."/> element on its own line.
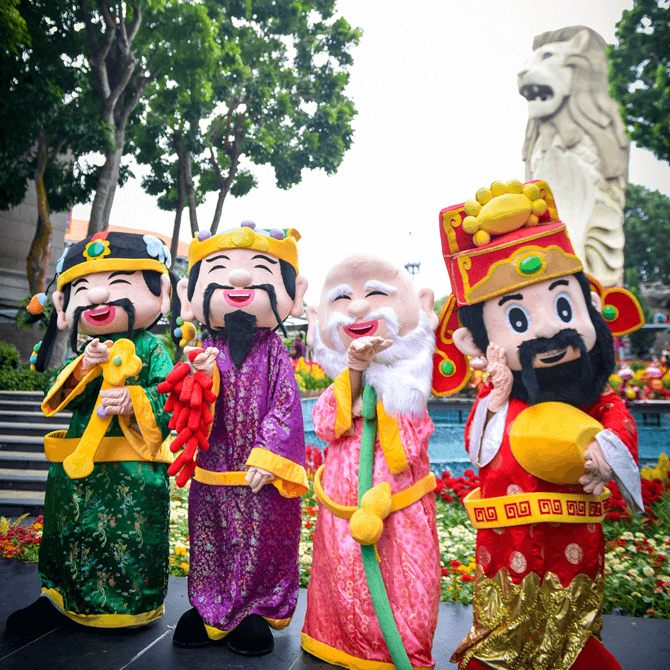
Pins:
<point x="268" y="288"/>
<point x="124" y="303"/>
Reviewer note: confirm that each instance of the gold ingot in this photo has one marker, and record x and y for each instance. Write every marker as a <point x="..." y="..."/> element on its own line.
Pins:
<point x="243" y="237"/>
<point x="505" y="213"/>
<point x="548" y="440"/>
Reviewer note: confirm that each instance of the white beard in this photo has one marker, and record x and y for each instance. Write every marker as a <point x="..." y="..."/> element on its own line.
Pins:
<point x="401" y="375"/>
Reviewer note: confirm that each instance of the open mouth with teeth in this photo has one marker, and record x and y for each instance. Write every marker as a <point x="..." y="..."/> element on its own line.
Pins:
<point x="551" y="357"/>
<point x="361" y="329"/>
<point x="534" y="91"/>
<point x="100" y="316"/>
<point x="239" y="297"/>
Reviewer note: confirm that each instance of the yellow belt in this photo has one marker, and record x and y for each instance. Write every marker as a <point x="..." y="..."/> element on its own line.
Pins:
<point x="524" y="508"/>
<point x="230" y="478"/>
<point x="57" y="448"/>
<point x="400" y="500"/>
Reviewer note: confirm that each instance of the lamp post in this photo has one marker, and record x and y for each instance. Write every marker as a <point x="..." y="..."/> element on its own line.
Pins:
<point x="413" y="268"/>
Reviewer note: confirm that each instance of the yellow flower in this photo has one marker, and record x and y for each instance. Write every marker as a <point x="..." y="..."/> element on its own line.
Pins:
<point x="184" y="566"/>
<point x="180" y="551"/>
<point x="171" y="559"/>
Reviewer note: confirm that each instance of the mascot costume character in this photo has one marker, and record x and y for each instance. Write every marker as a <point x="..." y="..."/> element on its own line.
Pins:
<point x="104" y="553"/>
<point x="374" y="588"/>
<point x="244" y="501"/>
<point x="546" y="432"/>
<point x="576" y="141"/>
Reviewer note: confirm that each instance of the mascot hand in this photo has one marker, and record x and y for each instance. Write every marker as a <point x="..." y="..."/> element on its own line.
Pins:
<point x="117" y="401"/>
<point x="598" y="471"/>
<point x="257" y="478"/>
<point x="95" y="352"/>
<point x="205" y="361"/>
<point x="501" y="377"/>
<point x="364" y="349"/>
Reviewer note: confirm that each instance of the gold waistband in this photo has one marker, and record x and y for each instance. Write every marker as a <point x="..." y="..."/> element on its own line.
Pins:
<point x="400" y="500"/>
<point x="57" y="448"/>
<point x="523" y="508"/>
<point x="230" y="478"/>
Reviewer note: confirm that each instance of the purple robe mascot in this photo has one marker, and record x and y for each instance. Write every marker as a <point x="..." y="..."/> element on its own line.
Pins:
<point x="244" y="505"/>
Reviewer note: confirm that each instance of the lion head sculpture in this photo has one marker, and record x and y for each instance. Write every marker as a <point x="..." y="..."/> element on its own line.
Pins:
<point x="565" y="83"/>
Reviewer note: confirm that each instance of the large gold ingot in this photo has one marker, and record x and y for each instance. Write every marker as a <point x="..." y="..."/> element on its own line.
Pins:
<point x="548" y="440"/>
<point x="505" y="213"/>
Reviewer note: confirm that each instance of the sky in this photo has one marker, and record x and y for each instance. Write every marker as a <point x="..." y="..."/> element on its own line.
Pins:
<point x="439" y="116"/>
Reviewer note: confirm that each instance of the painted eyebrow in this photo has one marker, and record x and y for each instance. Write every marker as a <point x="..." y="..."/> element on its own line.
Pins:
<point x="338" y="290"/>
<point x="374" y="285"/>
<point x="78" y="281"/>
<point x="216" y="258"/>
<point x="514" y="296"/>
<point x="122" y="272"/>
<point x="559" y="282"/>
<point x="265" y="258"/>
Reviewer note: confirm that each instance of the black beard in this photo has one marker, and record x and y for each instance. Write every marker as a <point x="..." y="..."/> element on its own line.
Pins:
<point x="578" y="382"/>
<point x="122" y="302"/>
<point x="209" y="291"/>
<point x="238" y="331"/>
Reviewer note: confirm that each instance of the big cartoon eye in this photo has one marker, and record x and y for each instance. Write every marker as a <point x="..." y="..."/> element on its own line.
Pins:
<point x="563" y="307"/>
<point x="518" y="319"/>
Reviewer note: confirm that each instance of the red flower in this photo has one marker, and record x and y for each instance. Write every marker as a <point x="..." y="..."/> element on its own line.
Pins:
<point x="455" y="563"/>
<point x="468" y="578"/>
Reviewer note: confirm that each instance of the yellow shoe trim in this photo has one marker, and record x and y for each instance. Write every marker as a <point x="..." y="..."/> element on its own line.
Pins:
<point x="336" y="657"/>
<point x="400" y="500"/>
<point x="524" y="508"/>
<point x="215" y="634"/>
<point x="104" y="620"/>
<point x="57" y="448"/>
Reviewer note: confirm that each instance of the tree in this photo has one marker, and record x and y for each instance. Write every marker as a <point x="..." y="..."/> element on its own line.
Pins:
<point x="277" y="98"/>
<point x="40" y="92"/>
<point x="647" y="231"/>
<point x="639" y="74"/>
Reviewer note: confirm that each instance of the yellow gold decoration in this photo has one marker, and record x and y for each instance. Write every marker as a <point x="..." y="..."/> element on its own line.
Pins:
<point x="246" y="238"/>
<point x="549" y="439"/>
<point x="506" y="616"/>
<point x="523" y="508"/>
<point x="96" y="250"/>
<point x="502" y="209"/>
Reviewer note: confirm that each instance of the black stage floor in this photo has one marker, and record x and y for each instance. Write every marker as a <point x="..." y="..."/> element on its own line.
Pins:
<point x="637" y="643"/>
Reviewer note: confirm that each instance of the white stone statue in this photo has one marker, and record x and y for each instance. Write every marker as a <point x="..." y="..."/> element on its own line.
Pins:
<point x="575" y="140"/>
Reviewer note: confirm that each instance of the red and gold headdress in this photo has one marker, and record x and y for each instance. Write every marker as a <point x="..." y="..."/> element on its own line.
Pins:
<point x="509" y="237"/>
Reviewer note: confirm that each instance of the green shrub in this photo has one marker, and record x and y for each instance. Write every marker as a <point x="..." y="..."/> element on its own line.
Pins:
<point x="22" y="379"/>
<point x="9" y="356"/>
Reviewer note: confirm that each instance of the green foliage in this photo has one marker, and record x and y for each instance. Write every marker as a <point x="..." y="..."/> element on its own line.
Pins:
<point x="639" y="74"/>
<point x="439" y="304"/>
<point x="310" y="383"/>
<point x="275" y="76"/>
<point x="647" y="231"/>
<point x="640" y="341"/>
<point x="17" y="377"/>
<point x="9" y="356"/>
<point x="24" y="319"/>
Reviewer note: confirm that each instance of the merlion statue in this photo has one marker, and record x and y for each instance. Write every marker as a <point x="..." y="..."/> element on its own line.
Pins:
<point x="576" y="141"/>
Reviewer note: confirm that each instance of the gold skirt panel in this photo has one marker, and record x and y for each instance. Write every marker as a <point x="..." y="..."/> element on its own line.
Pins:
<point x="538" y="625"/>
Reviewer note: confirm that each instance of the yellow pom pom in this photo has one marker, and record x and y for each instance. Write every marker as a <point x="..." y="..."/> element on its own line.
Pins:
<point x="472" y="207"/>
<point x="481" y="238"/>
<point x="539" y="207"/>
<point x="532" y="221"/>
<point x="484" y="195"/>
<point x="470" y="225"/>
<point x="378" y="500"/>
<point x="497" y="188"/>
<point x="365" y="526"/>
<point x="531" y="191"/>
<point x="514" y="186"/>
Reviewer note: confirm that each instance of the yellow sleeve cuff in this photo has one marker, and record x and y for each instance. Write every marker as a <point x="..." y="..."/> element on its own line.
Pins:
<point x="291" y="479"/>
<point x="342" y="392"/>
<point x="56" y="399"/>
<point x="389" y="437"/>
<point x="148" y="443"/>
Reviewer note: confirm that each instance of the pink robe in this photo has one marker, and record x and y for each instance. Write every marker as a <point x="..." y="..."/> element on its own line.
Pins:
<point x="340" y="623"/>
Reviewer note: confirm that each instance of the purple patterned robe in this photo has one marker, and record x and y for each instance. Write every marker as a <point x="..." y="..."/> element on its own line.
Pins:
<point x="244" y="545"/>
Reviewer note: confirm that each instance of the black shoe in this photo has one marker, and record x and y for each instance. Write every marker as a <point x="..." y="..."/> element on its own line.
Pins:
<point x="35" y="620"/>
<point x="252" y="637"/>
<point x="190" y="631"/>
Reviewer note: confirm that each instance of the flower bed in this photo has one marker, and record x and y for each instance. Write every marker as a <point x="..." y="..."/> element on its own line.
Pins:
<point x="637" y="569"/>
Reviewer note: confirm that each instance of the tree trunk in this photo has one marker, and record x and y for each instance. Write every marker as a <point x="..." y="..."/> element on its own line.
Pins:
<point x="106" y="187"/>
<point x="190" y="190"/>
<point x="224" y="184"/>
<point x="179" y="209"/>
<point x="39" y="255"/>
